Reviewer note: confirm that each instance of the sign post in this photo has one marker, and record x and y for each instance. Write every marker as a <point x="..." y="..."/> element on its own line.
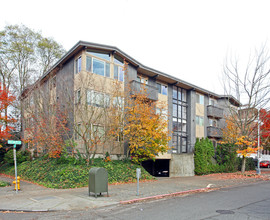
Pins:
<point x="138" y="174"/>
<point x="15" y="159"/>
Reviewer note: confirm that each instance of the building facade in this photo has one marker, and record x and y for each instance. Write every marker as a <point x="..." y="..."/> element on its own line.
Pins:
<point x="89" y="73"/>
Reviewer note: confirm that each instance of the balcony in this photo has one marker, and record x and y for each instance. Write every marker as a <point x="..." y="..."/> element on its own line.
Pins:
<point x="214" y="132"/>
<point x="215" y="112"/>
<point x="152" y="91"/>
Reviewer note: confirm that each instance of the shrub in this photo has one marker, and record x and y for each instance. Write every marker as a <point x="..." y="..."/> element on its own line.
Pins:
<point x="203" y="157"/>
<point x="226" y="157"/>
<point x="4" y="183"/>
<point x="50" y="173"/>
<point x="21" y="156"/>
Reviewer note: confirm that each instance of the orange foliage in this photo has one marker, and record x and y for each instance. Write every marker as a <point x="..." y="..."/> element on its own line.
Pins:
<point x="145" y="130"/>
<point x="47" y="134"/>
<point x="245" y="146"/>
<point x="6" y="99"/>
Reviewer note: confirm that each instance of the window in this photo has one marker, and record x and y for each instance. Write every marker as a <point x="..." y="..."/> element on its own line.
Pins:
<point x="97" y="99"/>
<point x="162" y="89"/>
<point x="118" y="73"/>
<point x="199" y="120"/>
<point x="162" y="112"/>
<point x="78" y="96"/>
<point x="213" y="122"/>
<point x="98" y="132"/>
<point x="98" y="66"/>
<point x="200" y="99"/>
<point x="118" y="102"/>
<point x="212" y="102"/>
<point x="78" y="65"/>
<point x="88" y="64"/>
<point x="142" y="79"/>
<point x="104" y="56"/>
<point x="179" y="120"/>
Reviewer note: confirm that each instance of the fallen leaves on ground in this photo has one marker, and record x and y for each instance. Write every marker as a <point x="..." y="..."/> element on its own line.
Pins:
<point x="239" y="175"/>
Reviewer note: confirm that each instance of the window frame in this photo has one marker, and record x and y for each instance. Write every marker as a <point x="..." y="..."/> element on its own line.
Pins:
<point x="179" y="123"/>
<point x="161" y="87"/>
<point x="78" y="65"/>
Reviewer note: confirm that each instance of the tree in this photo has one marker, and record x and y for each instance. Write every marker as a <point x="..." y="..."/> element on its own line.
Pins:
<point x="6" y="100"/>
<point x="250" y="85"/>
<point x="22" y="53"/>
<point x="144" y="129"/>
<point x="265" y="128"/>
<point x="48" y="52"/>
<point x="45" y="123"/>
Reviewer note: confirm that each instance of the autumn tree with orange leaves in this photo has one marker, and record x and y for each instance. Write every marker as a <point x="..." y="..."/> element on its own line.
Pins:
<point x="145" y="130"/>
<point x="6" y="121"/>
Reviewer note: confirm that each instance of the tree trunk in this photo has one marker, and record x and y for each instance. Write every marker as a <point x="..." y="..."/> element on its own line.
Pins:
<point x="243" y="168"/>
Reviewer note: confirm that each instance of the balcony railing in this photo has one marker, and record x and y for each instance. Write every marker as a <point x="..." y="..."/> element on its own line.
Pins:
<point x="214" y="132"/>
<point x="213" y="111"/>
<point x="152" y="91"/>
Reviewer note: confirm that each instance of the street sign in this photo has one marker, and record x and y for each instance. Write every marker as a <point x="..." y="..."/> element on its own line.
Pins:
<point x="14" y="142"/>
<point x="15" y="159"/>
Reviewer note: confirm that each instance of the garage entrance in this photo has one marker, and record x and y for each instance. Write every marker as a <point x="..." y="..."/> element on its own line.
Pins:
<point x="161" y="167"/>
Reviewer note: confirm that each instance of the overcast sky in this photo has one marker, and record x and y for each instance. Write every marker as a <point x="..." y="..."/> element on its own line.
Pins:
<point x="187" y="39"/>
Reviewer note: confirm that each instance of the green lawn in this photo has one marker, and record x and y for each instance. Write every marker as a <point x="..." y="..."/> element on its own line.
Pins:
<point x="54" y="173"/>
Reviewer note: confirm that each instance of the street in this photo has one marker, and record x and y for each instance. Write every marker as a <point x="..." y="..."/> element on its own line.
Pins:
<point x="246" y="202"/>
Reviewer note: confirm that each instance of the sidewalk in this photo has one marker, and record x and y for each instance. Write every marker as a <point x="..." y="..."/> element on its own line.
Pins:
<point x="32" y="197"/>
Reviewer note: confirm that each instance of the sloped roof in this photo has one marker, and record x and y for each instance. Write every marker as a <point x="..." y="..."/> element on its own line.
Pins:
<point x="140" y="67"/>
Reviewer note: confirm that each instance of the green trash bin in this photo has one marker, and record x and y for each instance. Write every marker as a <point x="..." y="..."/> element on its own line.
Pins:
<point x="98" y="181"/>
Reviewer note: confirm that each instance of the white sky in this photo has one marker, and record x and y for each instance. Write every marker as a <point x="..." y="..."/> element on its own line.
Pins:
<point x="188" y="39"/>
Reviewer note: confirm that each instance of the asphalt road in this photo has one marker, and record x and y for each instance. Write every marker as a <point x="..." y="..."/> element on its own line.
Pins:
<point x="246" y="202"/>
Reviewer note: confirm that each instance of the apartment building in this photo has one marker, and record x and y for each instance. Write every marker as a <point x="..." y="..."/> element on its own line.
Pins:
<point x="89" y="73"/>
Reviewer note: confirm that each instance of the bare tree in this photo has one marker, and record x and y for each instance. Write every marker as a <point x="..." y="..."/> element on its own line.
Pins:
<point x="250" y="84"/>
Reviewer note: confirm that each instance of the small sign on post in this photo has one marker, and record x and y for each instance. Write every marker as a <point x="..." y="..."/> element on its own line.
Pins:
<point x="138" y="174"/>
<point x="15" y="159"/>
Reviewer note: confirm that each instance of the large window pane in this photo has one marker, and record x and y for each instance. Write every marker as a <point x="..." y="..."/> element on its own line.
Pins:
<point x="159" y="87"/>
<point x="115" y="76"/>
<point x="164" y="90"/>
<point x="98" y="67"/>
<point x="89" y="97"/>
<point x="174" y="92"/>
<point x="184" y="125"/>
<point x="108" y="72"/>
<point x="174" y="110"/>
<point x="184" y="95"/>
<point x="179" y="111"/>
<point x="121" y="74"/>
<point x="179" y="94"/>
<point x="101" y="55"/>
<point x="88" y="64"/>
<point x="78" y="65"/>
<point x="184" y="112"/>
<point x="175" y="125"/>
<point x="184" y="145"/>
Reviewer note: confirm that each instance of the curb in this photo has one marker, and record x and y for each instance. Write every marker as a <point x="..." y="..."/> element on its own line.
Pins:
<point x="166" y="195"/>
<point x="26" y="210"/>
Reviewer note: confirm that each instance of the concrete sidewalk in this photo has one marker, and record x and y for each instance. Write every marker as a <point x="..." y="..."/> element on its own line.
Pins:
<point x="37" y="198"/>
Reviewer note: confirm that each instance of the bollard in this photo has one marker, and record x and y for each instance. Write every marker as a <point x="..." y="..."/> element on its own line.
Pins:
<point x="17" y="186"/>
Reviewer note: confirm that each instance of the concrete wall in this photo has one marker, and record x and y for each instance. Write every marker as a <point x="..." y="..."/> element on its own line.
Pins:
<point x="182" y="165"/>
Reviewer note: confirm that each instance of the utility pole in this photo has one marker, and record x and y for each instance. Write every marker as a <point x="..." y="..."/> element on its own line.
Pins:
<point x="258" y="151"/>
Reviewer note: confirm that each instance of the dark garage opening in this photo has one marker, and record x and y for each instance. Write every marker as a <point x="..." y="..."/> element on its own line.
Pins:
<point x="159" y="167"/>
